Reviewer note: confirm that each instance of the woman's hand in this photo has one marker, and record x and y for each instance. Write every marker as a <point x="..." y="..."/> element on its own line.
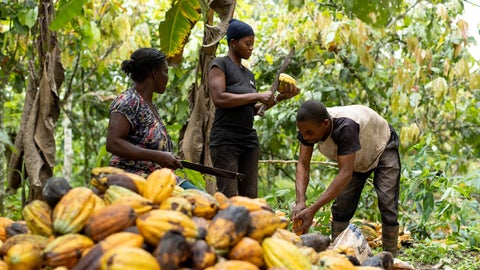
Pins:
<point x="168" y="160"/>
<point x="291" y="90"/>
<point x="266" y="98"/>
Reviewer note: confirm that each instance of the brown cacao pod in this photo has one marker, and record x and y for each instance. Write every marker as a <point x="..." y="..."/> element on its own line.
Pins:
<point x="111" y="219"/>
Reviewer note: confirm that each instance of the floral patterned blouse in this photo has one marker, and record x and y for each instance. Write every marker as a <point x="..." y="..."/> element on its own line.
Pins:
<point x="146" y="131"/>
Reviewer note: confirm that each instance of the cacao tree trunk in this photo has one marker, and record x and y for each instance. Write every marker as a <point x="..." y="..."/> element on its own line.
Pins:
<point x="35" y="140"/>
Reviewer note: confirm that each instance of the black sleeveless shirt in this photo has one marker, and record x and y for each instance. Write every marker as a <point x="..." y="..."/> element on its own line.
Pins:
<point x="234" y="126"/>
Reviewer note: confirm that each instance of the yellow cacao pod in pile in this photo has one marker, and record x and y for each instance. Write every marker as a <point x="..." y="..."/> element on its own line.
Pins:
<point x="100" y="176"/>
<point x="160" y="185"/>
<point x="228" y="227"/>
<point x="287" y="235"/>
<point x="22" y="238"/>
<point x="282" y="253"/>
<point x="66" y="250"/>
<point x="285" y="79"/>
<point x="4" y="223"/>
<point x="331" y="260"/>
<point x="26" y="255"/>
<point x="131" y="181"/>
<point x="128" y="258"/>
<point x="99" y="204"/>
<point x="252" y="204"/>
<point x="177" y="203"/>
<point x="38" y="216"/>
<point x="140" y="205"/>
<point x="204" y="205"/>
<point x="221" y="198"/>
<point x="154" y="224"/>
<point x="114" y="193"/>
<point x="73" y="210"/>
<point x="24" y="251"/>
<point x="3" y="265"/>
<point x="233" y="265"/>
<point x="91" y="260"/>
<point x="264" y="223"/>
<point x="247" y="249"/>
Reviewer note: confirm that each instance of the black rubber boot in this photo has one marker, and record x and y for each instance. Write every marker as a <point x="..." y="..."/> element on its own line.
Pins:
<point x="337" y="228"/>
<point x="390" y="239"/>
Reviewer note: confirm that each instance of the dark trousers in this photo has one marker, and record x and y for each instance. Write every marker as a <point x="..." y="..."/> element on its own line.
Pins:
<point x="238" y="159"/>
<point x="386" y="181"/>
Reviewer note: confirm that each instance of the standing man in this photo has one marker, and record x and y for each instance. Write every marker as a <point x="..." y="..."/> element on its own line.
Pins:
<point x="362" y="143"/>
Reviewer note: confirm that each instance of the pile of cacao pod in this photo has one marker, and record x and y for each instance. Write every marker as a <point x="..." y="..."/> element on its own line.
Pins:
<point x="125" y="221"/>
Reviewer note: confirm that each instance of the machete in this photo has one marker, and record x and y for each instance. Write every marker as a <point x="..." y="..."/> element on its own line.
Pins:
<point x="212" y="171"/>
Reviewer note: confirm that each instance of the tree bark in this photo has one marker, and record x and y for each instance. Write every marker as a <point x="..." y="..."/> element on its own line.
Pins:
<point x="35" y="139"/>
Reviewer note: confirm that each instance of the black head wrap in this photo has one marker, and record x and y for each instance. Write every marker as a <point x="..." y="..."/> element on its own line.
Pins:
<point x="238" y="29"/>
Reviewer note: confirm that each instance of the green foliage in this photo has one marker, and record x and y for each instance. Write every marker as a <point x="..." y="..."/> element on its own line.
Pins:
<point x="175" y="29"/>
<point x="66" y="13"/>
<point x="5" y="142"/>
<point x="449" y="255"/>
<point x="192" y="176"/>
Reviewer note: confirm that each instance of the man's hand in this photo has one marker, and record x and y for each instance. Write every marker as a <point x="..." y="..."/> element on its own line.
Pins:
<point x="306" y="215"/>
<point x="297" y="208"/>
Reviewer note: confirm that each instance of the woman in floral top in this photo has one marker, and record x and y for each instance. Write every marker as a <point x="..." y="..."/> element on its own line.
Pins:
<point x="136" y="136"/>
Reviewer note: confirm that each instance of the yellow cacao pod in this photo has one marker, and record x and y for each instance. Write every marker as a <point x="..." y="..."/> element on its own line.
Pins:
<point x="114" y="193"/>
<point x="285" y="79"/>
<point x="177" y="203"/>
<point x="91" y="260"/>
<point x="66" y="250"/>
<point x="247" y="249"/>
<point x="252" y="204"/>
<point x="128" y="258"/>
<point x="38" y="216"/>
<point x="73" y="210"/>
<point x="228" y="227"/>
<point x="264" y="223"/>
<point x="331" y="260"/>
<point x="25" y="256"/>
<point x="140" y="205"/>
<point x="131" y="181"/>
<point x="282" y="253"/>
<point x="4" y="223"/>
<point x="154" y="224"/>
<point x="234" y="265"/>
<point x="159" y="185"/>
<point x="204" y="205"/>
<point x="39" y="240"/>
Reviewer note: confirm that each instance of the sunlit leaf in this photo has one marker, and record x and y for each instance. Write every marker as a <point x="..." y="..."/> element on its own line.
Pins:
<point x="66" y="13"/>
<point x="176" y="28"/>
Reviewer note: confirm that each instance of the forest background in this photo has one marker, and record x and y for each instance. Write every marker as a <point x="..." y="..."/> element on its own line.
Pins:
<point x="409" y="60"/>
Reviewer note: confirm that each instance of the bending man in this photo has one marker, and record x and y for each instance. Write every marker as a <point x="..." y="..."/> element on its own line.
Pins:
<point x="362" y="143"/>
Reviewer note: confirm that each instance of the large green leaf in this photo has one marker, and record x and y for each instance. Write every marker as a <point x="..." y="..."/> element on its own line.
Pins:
<point x="176" y="28"/>
<point x="66" y="13"/>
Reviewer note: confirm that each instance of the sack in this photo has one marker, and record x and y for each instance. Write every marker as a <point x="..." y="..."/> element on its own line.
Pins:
<point x="352" y="237"/>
